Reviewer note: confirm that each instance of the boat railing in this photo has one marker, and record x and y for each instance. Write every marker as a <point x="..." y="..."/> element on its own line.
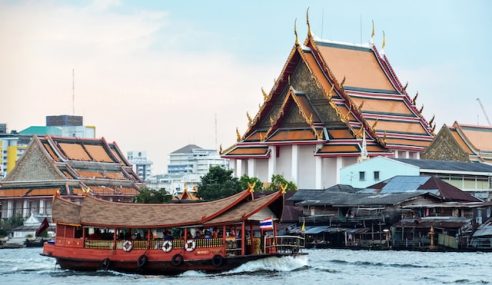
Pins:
<point x="98" y="244"/>
<point x="284" y="244"/>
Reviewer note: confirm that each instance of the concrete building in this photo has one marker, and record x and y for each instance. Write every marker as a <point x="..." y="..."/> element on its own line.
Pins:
<point x="12" y="147"/>
<point x="186" y="167"/>
<point x="62" y="126"/>
<point x="328" y="97"/>
<point x="475" y="178"/>
<point x="141" y="164"/>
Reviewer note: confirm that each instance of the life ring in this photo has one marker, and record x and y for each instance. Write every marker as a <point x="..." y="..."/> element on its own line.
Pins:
<point x="106" y="263"/>
<point x="167" y="246"/>
<point x="127" y="246"/>
<point x="190" y="245"/>
<point x="142" y="260"/>
<point x="218" y="260"/>
<point x="177" y="260"/>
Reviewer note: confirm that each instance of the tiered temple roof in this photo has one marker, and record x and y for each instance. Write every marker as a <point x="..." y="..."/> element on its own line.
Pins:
<point x="329" y="94"/>
<point x="71" y="166"/>
<point x="462" y="142"/>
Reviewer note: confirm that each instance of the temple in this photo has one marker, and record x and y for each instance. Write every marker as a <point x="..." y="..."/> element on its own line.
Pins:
<point x="332" y="103"/>
<point x="463" y="143"/>
<point x="71" y="167"/>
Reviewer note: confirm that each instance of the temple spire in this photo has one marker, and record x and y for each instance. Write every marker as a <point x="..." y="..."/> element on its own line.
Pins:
<point x="310" y="35"/>
<point x="295" y="32"/>
<point x="363" y="152"/>
<point x="373" y="33"/>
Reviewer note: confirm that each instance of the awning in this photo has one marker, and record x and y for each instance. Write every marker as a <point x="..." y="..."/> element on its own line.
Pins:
<point x="317" y="230"/>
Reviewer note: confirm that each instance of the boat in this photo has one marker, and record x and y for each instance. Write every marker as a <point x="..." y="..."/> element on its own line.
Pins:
<point x="95" y="234"/>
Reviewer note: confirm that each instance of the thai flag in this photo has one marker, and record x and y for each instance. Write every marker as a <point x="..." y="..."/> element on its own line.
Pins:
<point x="266" y="224"/>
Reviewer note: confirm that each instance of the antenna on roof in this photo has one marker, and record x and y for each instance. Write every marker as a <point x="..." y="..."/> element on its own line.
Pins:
<point x="73" y="91"/>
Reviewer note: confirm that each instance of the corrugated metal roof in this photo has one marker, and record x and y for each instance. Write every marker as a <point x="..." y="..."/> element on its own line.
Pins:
<point x="448" y="165"/>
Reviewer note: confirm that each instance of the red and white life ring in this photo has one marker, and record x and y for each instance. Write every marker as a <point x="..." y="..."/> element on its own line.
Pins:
<point x="190" y="245"/>
<point x="167" y="246"/>
<point x="127" y="245"/>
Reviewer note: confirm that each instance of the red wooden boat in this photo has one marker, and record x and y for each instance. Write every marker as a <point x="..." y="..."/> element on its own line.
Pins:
<point x="169" y="238"/>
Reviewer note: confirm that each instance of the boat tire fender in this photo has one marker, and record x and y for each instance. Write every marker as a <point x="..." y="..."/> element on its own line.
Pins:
<point x="127" y="246"/>
<point x="142" y="260"/>
<point x="218" y="260"/>
<point x="190" y="245"/>
<point x="106" y="263"/>
<point x="177" y="260"/>
<point x="167" y="246"/>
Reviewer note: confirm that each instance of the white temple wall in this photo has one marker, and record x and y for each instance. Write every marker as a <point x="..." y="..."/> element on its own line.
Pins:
<point x="261" y="169"/>
<point x="284" y="162"/>
<point x="307" y="167"/>
<point x="328" y="172"/>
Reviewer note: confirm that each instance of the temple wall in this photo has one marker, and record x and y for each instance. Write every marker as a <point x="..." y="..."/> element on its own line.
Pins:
<point x="307" y="167"/>
<point x="261" y="169"/>
<point x="284" y="162"/>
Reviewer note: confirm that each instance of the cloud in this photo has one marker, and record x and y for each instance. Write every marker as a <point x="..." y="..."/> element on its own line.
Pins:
<point x="134" y="78"/>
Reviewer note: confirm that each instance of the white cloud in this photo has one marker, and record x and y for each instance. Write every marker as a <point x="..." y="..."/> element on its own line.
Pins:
<point x="145" y="96"/>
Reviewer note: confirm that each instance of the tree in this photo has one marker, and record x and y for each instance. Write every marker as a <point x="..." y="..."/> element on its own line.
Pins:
<point x="245" y="180"/>
<point x="278" y="180"/>
<point x="7" y="225"/>
<point x="151" y="196"/>
<point x="218" y="183"/>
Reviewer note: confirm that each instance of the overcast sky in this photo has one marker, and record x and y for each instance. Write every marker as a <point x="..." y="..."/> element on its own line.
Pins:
<point x="151" y="76"/>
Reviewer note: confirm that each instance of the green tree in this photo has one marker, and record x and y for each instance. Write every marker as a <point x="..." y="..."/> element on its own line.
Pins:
<point x="151" y="196"/>
<point x="218" y="183"/>
<point x="245" y="180"/>
<point x="278" y="180"/>
<point x="7" y="225"/>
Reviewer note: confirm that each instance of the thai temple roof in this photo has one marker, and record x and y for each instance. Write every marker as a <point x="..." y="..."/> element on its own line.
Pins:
<point x="71" y="166"/>
<point x="331" y="93"/>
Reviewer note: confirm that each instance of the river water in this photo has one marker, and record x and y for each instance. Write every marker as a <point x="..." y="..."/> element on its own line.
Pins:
<point x="323" y="266"/>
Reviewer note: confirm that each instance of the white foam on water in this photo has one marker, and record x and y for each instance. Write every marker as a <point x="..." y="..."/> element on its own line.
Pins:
<point x="193" y="273"/>
<point x="281" y="264"/>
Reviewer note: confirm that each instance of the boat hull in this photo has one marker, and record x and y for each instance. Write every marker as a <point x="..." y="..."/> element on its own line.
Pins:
<point x="162" y="267"/>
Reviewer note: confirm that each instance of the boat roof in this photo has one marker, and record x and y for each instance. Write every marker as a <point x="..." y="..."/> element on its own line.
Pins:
<point x="101" y="213"/>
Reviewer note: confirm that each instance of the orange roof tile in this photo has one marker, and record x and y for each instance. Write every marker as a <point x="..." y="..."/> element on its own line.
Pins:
<point x="341" y="134"/>
<point x="398" y="127"/>
<point x="249" y="151"/>
<point x="13" y="192"/>
<point x="293" y="135"/>
<point x="479" y="137"/>
<point x="74" y="151"/>
<point x="339" y="149"/>
<point x="358" y="65"/>
<point x="98" y="153"/>
<point x="460" y="141"/>
<point x="51" y="152"/>
<point x="382" y="106"/>
<point x="408" y="142"/>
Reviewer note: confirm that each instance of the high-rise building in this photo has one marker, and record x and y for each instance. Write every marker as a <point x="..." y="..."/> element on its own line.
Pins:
<point x="141" y="164"/>
<point x="12" y="147"/>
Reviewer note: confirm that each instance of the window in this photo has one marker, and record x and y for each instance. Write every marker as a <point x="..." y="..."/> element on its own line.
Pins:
<point x="376" y="175"/>
<point x="362" y="175"/>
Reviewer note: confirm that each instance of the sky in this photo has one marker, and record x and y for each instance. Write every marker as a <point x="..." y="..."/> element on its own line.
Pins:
<point x="154" y="75"/>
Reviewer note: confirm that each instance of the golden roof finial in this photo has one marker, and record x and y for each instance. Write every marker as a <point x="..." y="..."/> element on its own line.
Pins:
<point x="251" y="187"/>
<point x="432" y="120"/>
<point x="405" y="87"/>
<point x="361" y="105"/>
<point x="330" y="94"/>
<point x="375" y="124"/>
<point x="220" y="149"/>
<point x="415" y="98"/>
<point x="373" y="32"/>
<point x="433" y="129"/>
<point x="262" y="137"/>
<point x="272" y="121"/>
<point x="265" y="95"/>
<point x="295" y="32"/>
<point x="250" y="120"/>
<point x="310" y="35"/>
<point x="384" y="137"/>
<point x="238" y="135"/>
<point x="384" y="42"/>
<point x="343" y="82"/>
<point x="310" y="119"/>
<point x="283" y="188"/>
<point x="421" y="109"/>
